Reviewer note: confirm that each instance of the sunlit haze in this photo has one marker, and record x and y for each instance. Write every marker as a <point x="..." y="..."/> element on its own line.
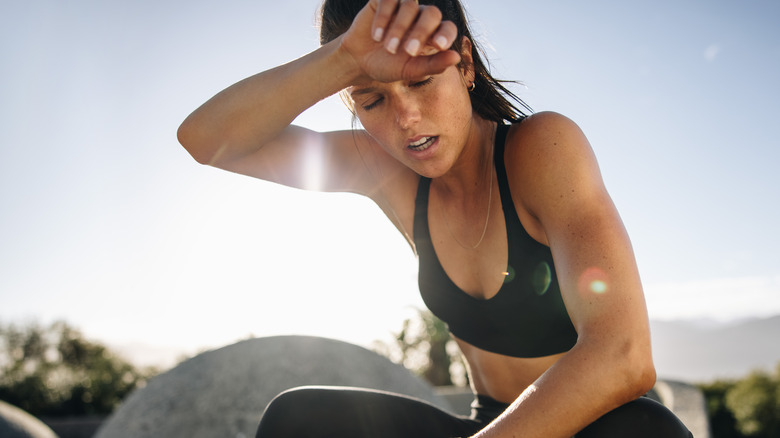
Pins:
<point x="106" y="222"/>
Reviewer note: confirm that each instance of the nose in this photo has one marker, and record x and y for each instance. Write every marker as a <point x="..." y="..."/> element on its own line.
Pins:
<point x="407" y="110"/>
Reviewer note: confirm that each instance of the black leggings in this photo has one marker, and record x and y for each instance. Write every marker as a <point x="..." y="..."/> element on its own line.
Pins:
<point x="337" y="412"/>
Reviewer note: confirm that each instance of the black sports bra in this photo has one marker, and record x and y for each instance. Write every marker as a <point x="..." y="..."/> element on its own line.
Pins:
<point x="527" y="317"/>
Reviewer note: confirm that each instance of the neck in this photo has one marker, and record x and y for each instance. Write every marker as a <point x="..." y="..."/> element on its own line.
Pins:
<point x="469" y="175"/>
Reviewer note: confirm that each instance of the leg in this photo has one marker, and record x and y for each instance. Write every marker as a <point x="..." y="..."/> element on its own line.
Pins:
<point x="328" y="412"/>
<point x="641" y="418"/>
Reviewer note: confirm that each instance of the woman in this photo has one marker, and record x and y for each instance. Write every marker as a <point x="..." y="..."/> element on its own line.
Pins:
<point x="521" y="250"/>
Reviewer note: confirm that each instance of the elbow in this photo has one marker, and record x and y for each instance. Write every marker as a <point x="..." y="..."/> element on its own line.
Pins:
<point x="643" y="377"/>
<point x="192" y="141"/>
<point x="627" y="370"/>
<point x="637" y="371"/>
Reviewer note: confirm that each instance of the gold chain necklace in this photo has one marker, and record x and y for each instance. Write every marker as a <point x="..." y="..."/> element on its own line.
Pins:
<point x="487" y="217"/>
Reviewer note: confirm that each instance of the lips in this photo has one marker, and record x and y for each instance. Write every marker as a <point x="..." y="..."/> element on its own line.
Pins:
<point x="422" y="144"/>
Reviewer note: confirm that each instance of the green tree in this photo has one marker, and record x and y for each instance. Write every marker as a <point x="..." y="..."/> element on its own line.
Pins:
<point x="745" y="408"/>
<point x="722" y="421"/>
<point x="755" y="404"/>
<point x="55" y="371"/>
<point x="425" y="347"/>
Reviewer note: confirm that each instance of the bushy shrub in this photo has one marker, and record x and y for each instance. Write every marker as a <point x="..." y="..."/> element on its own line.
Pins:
<point x="748" y="407"/>
<point x="55" y="371"/>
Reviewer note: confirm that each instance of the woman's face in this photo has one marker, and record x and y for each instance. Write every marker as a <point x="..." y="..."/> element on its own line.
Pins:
<point x="423" y="123"/>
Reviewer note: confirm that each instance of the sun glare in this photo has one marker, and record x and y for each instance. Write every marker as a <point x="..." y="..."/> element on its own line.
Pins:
<point x="313" y="164"/>
<point x="594" y="280"/>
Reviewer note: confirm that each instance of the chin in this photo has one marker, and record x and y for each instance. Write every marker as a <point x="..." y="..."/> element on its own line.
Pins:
<point x="432" y="172"/>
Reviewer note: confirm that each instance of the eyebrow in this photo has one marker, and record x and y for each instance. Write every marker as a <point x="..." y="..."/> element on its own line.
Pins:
<point x="361" y="91"/>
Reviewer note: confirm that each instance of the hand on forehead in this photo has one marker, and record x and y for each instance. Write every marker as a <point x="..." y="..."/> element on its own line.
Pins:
<point x="417" y="29"/>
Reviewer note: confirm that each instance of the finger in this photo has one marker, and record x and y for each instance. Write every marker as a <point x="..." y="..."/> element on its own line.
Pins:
<point x="405" y="17"/>
<point x="445" y="35"/>
<point x="428" y="22"/>
<point x="384" y="13"/>
<point x="430" y="65"/>
<point x="442" y="40"/>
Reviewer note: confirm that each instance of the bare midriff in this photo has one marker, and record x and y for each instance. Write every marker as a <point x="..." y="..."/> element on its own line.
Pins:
<point x="500" y="377"/>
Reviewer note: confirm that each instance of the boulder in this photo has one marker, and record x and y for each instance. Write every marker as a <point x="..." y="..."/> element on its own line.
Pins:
<point x="16" y="423"/>
<point x="224" y="392"/>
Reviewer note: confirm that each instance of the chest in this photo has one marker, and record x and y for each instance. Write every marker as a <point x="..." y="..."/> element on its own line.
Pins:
<point x="503" y="295"/>
<point x="472" y="248"/>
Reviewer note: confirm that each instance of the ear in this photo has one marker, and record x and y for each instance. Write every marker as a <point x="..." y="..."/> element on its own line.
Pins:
<point x="467" y="60"/>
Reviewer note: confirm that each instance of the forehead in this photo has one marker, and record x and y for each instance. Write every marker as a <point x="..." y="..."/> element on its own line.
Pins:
<point x="368" y="86"/>
<point x="356" y="91"/>
<point x="365" y="87"/>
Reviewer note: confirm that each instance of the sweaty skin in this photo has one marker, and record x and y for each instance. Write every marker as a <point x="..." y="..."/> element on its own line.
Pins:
<point x="556" y="186"/>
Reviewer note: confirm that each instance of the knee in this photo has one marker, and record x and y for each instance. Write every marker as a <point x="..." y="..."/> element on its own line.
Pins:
<point x="282" y="416"/>
<point x="288" y="400"/>
<point x="640" y="418"/>
<point x="308" y="398"/>
<point x="278" y="419"/>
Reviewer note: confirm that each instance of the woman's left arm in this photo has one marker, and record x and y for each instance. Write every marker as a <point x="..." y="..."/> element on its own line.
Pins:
<point x="561" y="189"/>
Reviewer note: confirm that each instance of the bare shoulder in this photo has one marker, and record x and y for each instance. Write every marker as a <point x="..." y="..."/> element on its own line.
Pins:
<point x="393" y="186"/>
<point x="551" y="165"/>
<point x="543" y="134"/>
<point x="390" y="179"/>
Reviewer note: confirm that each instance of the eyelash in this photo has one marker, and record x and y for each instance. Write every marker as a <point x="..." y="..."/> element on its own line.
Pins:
<point x="372" y="105"/>
<point x="420" y="84"/>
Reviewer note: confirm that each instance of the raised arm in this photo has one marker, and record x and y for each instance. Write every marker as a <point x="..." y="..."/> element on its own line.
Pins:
<point x="560" y="186"/>
<point x="246" y="127"/>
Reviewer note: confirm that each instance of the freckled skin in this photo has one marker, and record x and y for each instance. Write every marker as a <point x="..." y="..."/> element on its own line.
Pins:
<point x="553" y="176"/>
<point x="441" y="108"/>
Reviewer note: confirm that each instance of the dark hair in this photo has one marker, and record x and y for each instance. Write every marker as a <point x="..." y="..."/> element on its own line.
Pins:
<point x="490" y="99"/>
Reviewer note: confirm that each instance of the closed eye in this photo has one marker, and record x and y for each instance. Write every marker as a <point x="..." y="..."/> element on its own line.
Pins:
<point x="373" y="104"/>
<point x="422" y="83"/>
<point x="419" y="84"/>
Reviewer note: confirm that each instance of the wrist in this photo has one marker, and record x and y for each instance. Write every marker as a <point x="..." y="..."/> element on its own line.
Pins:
<point x="346" y="70"/>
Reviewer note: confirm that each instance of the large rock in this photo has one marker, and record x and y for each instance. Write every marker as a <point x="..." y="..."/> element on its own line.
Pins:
<point x="223" y="392"/>
<point x="16" y="423"/>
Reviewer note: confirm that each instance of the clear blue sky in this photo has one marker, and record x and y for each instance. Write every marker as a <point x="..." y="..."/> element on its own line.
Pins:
<point x="106" y="222"/>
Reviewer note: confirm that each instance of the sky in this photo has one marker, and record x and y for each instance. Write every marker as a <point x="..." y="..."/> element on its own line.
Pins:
<point x="107" y="223"/>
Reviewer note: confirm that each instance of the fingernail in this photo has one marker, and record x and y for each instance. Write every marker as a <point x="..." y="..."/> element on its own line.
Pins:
<point x="441" y="42"/>
<point x="412" y="47"/>
<point x="378" y="33"/>
<point x="392" y="45"/>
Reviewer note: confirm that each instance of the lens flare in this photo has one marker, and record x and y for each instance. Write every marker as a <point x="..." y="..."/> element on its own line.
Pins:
<point x="313" y="164"/>
<point x="541" y="278"/>
<point x="509" y="274"/>
<point x="594" y="280"/>
<point x="598" y="287"/>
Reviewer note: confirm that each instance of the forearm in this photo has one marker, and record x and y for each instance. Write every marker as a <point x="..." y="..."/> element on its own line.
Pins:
<point x="243" y="117"/>
<point x="586" y="383"/>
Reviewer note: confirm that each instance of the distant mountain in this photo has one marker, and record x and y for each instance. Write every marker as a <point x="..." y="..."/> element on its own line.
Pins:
<point x="692" y="351"/>
<point x="701" y="351"/>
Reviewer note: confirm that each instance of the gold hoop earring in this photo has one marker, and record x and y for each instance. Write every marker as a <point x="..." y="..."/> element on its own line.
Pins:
<point x="473" y="86"/>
